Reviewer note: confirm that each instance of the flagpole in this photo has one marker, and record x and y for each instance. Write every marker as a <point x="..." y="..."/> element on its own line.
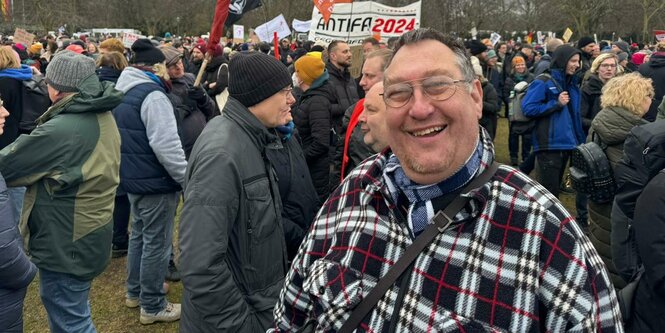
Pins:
<point x="221" y="13"/>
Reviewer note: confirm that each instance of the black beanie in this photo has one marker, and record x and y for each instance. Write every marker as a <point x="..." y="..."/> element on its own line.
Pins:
<point x="146" y="53"/>
<point x="476" y="47"/>
<point x="256" y="76"/>
<point x="584" y="41"/>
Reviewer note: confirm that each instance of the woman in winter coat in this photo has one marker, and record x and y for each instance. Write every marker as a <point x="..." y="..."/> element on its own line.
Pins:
<point x="16" y="270"/>
<point x="603" y="68"/>
<point x="625" y="99"/>
<point x="110" y="65"/>
<point x="518" y="73"/>
<point x="313" y="118"/>
<point x="491" y="104"/>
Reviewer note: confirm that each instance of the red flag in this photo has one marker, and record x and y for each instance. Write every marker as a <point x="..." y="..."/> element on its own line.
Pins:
<point x="529" y="38"/>
<point x="221" y="13"/>
<point x="325" y="7"/>
<point x="275" y="41"/>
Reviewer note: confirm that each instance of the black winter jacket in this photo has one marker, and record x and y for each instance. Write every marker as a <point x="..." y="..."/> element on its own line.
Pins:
<point x="10" y="92"/>
<point x="299" y="199"/>
<point x="345" y="93"/>
<point x="210" y="75"/>
<point x="591" y="92"/>
<point x="649" y="227"/>
<point x="313" y="118"/>
<point x="358" y="151"/>
<point x="16" y="270"/>
<point x="655" y="70"/>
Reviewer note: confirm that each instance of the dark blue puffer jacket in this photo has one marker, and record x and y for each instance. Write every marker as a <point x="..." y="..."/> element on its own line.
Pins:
<point x="16" y="270"/>
<point x="557" y="127"/>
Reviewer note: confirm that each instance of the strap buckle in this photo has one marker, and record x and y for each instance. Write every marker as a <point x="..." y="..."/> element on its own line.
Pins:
<point x="442" y="221"/>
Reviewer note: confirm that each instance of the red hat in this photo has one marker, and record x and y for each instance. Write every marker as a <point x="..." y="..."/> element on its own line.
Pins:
<point x="78" y="49"/>
<point x="202" y="47"/>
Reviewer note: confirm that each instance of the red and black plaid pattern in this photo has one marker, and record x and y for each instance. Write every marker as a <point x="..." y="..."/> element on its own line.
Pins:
<point x="518" y="263"/>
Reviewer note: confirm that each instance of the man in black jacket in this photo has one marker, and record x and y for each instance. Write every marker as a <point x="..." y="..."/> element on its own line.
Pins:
<point x="346" y="93"/>
<point x="655" y="70"/>
<point x="233" y="252"/>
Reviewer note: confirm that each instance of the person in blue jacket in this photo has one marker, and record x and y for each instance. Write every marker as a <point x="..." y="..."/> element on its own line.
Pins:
<point x="16" y="270"/>
<point x="554" y="102"/>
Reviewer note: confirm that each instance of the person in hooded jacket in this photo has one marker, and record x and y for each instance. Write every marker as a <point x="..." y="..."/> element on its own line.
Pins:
<point x="655" y="70"/>
<point x="555" y="105"/>
<point x="313" y="118"/>
<point x="110" y="65"/>
<point x="16" y="270"/>
<point x="212" y="68"/>
<point x="603" y="68"/>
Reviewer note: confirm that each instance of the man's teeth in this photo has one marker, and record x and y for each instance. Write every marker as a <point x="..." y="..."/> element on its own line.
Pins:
<point x="427" y="131"/>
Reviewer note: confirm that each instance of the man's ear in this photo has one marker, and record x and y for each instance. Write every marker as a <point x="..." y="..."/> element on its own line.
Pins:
<point x="477" y="97"/>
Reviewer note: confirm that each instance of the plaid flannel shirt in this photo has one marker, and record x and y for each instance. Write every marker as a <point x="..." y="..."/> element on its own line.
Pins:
<point x="514" y="262"/>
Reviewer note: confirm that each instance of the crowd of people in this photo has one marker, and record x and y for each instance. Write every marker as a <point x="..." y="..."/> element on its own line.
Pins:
<point x="304" y="189"/>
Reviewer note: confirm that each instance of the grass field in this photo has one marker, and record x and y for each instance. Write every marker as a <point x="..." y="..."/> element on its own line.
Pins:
<point x="108" y="290"/>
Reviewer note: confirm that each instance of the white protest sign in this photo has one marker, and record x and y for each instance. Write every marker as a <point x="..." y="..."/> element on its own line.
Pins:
<point x="353" y="22"/>
<point x="129" y="38"/>
<point x="495" y="38"/>
<point x="266" y="30"/>
<point x="541" y="37"/>
<point x="301" y="26"/>
<point x="238" y="33"/>
<point x="23" y="37"/>
<point x="660" y="35"/>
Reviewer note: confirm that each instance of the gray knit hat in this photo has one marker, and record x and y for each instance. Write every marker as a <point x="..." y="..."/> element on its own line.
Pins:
<point x="68" y="69"/>
<point x="256" y="76"/>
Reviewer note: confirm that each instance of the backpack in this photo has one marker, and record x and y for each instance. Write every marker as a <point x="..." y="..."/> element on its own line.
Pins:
<point x="35" y="101"/>
<point x="515" y="113"/>
<point x="643" y="157"/>
<point x="591" y="173"/>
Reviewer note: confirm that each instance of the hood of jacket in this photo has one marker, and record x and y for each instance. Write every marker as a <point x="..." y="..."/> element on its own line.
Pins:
<point x="657" y="60"/>
<point x="561" y="56"/>
<point x="106" y="73"/>
<point x="93" y="96"/>
<point x="132" y="77"/>
<point x="23" y="73"/>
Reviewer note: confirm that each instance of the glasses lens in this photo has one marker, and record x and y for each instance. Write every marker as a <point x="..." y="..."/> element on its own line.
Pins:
<point x="397" y="95"/>
<point x="439" y="88"/>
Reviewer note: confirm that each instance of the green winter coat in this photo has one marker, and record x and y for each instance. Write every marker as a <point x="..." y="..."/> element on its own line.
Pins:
<point x="70" y="164"/>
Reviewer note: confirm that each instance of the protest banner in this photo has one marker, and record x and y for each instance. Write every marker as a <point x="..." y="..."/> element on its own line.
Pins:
<point x="23" y="37"/>
<point x="238" y="33"/>
<point x="353" y="22"/>
<point x="566" y="35"/>
<point x="278" y="24"/>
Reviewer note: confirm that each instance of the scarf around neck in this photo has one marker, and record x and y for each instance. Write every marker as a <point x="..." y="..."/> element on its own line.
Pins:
<point x="421" y="204"/>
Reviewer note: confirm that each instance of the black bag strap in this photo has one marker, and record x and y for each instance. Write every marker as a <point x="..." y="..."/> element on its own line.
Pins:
<point x="441" y="220"/>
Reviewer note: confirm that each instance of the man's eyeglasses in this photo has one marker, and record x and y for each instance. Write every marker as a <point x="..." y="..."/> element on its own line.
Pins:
<point x="438" y="88"/>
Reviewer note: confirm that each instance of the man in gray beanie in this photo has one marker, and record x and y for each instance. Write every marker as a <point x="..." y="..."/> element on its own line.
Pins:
<point x="232" y="246"/>
<point x="70" y="164"/>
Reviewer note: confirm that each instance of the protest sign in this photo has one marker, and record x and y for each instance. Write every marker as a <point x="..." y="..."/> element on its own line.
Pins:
<point x="660" y="35"/>
<point x="238" y="33"/>
<point x="278" y="24"/>
<point x="23" y="37"/>
<point x="541" y="37"/>
<point x="129" y="38"/>
<point x="495" y="38"/>
<point x="566" y="35"/>
<point x="353" y="22"/>
<point x="301" y="26"/>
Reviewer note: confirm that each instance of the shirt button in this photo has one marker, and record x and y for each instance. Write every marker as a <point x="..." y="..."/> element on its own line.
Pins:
<point x="322" y="290"/>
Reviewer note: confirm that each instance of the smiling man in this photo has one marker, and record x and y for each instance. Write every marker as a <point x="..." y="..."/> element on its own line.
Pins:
<point x="233" y="251"/>
<point x="511" y="260"/>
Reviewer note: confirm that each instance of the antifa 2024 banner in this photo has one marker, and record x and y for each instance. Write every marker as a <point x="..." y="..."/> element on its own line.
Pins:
<point x="238" y="7"/>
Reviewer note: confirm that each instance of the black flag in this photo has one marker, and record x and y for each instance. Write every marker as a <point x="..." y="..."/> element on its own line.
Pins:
<point x="239" y="7"/>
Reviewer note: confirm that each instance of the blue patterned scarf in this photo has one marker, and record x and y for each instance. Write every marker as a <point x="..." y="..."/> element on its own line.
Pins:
<point x="420" y="196"/>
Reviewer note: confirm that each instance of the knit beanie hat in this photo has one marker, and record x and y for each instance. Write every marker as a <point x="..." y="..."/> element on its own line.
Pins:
<point x="146" y="53"/>
<point x="476" y="47"/>
<point x="36" y="48"/>
<point x="638" y="58"/>
<point x="518" y="60"/>
<point x="171" y="55"/>
<point x="201" y="47"/>
<point x="491" y="54"/>
<point x="622" y="56"/>
<point x="256" y="76"/>
<point x="68" y="69"/>
<point x="622" y="45"/>
<point x="309" y="68"/>
<point x="584" y="41"/>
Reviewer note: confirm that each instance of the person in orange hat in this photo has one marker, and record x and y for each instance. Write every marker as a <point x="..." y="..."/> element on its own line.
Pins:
<point x="313" y="119"/>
